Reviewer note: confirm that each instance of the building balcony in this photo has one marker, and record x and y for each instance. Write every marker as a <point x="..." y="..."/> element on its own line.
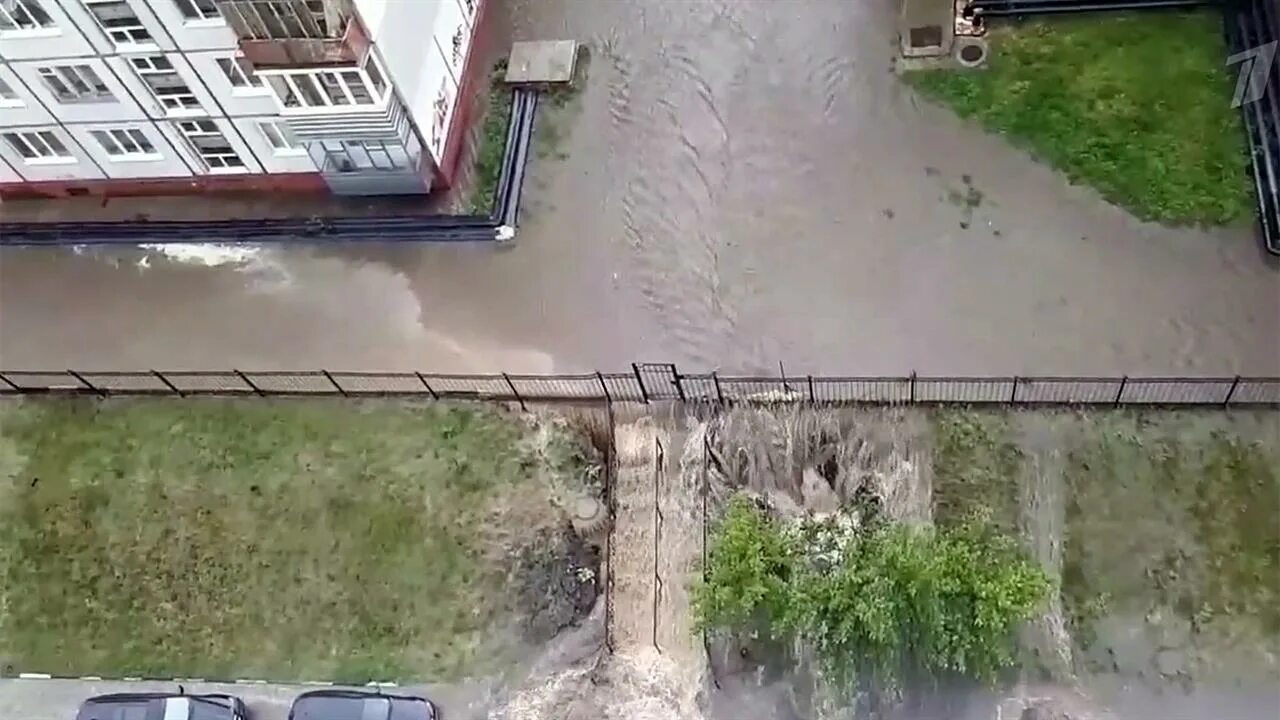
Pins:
<point x="296" y="33"/>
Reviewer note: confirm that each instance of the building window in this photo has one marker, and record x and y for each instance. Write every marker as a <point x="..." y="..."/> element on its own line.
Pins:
<point x="280" y="138"/>
<point x="350" y="156"/>
<point x="125" y="144"/>
<point x="119" y="21"/>
<point x="209" y="143"/>
<point x="166" y="84"/>
<point x="198" y="9"/>
<point x="39" y="146"/>
<point x="239" y="72"/>
<point x="323" y="88"/>
<point x="283" y="19"/>
<point x="8" y="97"/>
<point x="374" y="71"/>
<point x="23" y="15"/>
<point x="75" y="84"/>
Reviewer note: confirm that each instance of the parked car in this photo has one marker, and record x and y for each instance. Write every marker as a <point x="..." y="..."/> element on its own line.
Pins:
<point x="338" y="704"/>
<point x="163" y="706"/>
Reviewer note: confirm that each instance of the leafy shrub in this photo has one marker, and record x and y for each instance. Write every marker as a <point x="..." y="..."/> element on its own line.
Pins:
<point x="888" y="599"/>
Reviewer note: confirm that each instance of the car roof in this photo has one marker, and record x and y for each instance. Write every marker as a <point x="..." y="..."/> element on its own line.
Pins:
<point x="359" y="705"/>
<point x="157" y="706"/>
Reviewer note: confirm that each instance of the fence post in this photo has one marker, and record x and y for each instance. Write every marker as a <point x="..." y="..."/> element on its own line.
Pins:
<point x="913" y="387"/>
<point x="1120" y="393"/>
<point x="660" y="460"/>
<point x="783" y="374"/>
<point x="334" y="383"/>
<point x="10" y="383"/>
<point x="675" y="374"/>
<point x="249" y="382"/>
<point x="604" y="387"/>
<point x="80" y="378"/>
<point x="813" y="398"/>
<point x="1232" y="392"/>
<point x="422" y="379"/>
<point x="168" y="384"/>
<point x="640" y="381"/>
<point x="1013" y="395"/>
<point x="514" y="391"/>
<point x="715" y="378"/>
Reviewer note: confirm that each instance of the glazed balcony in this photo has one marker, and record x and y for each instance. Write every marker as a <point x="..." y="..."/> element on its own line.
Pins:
<point x="296" y="33"/>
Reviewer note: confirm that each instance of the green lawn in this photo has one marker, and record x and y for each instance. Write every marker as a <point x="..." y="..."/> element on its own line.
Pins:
<point x="281" y="539"/>
<point x="1175" y="518"/>
<point x="1138" y="106"/>
<point x="1165" y="526"/>
<point x="492" y="144"/>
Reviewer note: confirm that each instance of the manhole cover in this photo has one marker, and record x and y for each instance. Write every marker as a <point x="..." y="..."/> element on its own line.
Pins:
<point x="589" y="516"/>
<point x="927" y="36"/>
<point x="972" y="53"/>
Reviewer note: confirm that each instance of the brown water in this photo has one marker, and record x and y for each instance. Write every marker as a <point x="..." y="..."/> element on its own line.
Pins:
<point x="742" y="183"/>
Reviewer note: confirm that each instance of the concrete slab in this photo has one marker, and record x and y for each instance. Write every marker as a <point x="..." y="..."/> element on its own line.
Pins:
<point x="551" y="61"/>
<point x="926" y="27"/>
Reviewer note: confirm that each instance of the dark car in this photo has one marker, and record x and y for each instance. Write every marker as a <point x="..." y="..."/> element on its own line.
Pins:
<point x="163" y="706"/>
<point x="361" y="705"/>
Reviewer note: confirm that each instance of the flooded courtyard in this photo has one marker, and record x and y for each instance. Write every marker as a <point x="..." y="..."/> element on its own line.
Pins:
<point x="737" y="183"/>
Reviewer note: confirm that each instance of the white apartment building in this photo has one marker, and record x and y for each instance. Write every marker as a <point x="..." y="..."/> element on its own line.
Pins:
<point x="115" y="97"/>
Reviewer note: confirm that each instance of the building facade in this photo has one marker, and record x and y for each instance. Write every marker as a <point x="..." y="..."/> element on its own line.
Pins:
<point x="128" y="97"/>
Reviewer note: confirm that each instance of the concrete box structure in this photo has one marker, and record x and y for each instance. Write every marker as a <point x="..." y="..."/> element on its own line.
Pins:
<point x="128" y="97"/>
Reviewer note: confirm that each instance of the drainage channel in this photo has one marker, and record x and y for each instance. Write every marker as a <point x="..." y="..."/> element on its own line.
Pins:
<point x="499" y="225"/>
<point x="1006" y="8"/>
<point x="1251" y="26"/>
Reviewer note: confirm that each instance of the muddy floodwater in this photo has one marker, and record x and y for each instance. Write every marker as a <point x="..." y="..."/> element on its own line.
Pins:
<point x="738" y="183"/>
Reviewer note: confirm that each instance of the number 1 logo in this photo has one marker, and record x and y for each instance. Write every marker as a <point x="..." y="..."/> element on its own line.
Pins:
<point x="1255" y="71"/>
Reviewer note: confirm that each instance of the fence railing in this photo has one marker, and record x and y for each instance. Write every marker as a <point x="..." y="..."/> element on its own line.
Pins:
<point x="649" y="382"/>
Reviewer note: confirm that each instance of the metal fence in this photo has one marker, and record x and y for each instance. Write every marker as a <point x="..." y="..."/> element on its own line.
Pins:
<point x="649" y="382"/>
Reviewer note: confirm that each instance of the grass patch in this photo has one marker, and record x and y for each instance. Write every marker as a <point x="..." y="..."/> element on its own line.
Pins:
<point x="493" y="141"/>
<point x="291" y="539"/>
<point x="1138" y="106"/>
<point x="976" y="469"/>
<point x="1176" y="518"/>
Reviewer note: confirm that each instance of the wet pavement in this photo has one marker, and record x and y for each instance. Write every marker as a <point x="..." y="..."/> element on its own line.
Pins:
<point x="739" y="183"/>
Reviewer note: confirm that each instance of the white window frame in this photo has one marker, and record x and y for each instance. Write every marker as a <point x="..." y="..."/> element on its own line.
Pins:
<point x="280" y="137"/>
<point x="363" y="156"/>
<point x="8" y="96"/>
<point x="131" y="140"/>
<point x="199" y="13"/>
<point x="336" y="97"/>
<point x="9" y="23"/>
<point x="242" y="76"/>
<point x="72" y="78"/>
<point x="41" y="144"/>
<point x="174" y="104"/>
<point x="130" y="43"/>
<point x="194" y="129"/>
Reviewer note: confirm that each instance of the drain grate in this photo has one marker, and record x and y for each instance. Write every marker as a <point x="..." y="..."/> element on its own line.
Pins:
<point x="928" y="36"/>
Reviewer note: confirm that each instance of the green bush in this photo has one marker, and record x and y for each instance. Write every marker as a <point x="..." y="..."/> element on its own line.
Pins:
<point x="887" y="599"/>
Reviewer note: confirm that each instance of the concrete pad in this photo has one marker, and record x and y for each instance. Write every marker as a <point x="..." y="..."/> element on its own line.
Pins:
<point x="926" y="27"/>
<point x="551" y="61"/>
